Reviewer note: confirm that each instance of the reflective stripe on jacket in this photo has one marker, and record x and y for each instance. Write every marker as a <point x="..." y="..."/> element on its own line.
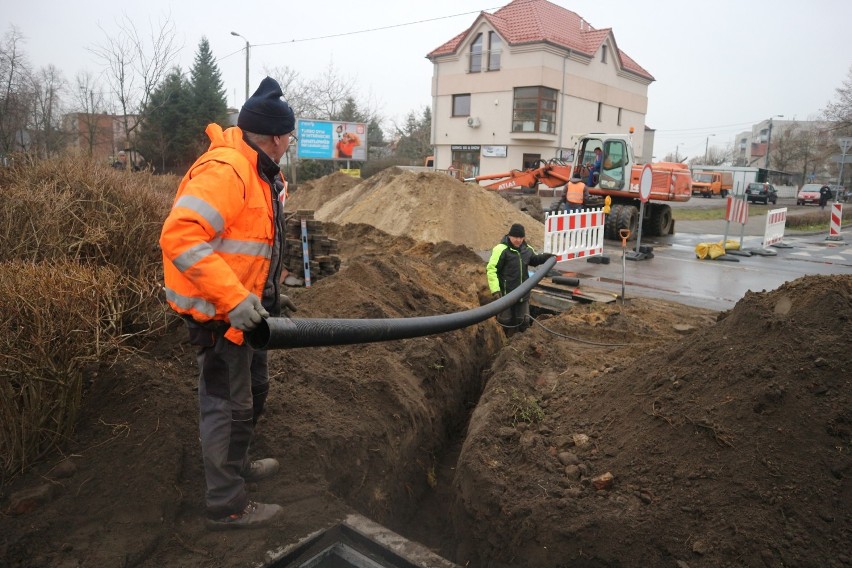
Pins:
<point x="574" y="192"/>
<point x="217" y="240"/>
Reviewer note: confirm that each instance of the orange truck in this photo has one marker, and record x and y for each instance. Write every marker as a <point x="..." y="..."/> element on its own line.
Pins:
<point x="618" y="179"/>
<point x="708" y="184"/>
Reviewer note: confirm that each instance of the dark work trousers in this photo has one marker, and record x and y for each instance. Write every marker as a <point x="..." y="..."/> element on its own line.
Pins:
<point x="232" y="388"/>
<point x="515" y="318"/>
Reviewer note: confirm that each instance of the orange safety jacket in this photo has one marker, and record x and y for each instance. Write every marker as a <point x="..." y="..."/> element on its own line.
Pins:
<point x="574" y="192"/>
<point x="217" y="240"/>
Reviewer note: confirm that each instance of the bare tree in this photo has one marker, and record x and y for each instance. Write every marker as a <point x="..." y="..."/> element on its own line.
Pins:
<point x="47" y="86"/>
<point x="90" y="116"/>
<point x="135" y="65"/>
<point x="14" y="100"/>
<point x="839" y="111"/>
<point x="324" y="98"/>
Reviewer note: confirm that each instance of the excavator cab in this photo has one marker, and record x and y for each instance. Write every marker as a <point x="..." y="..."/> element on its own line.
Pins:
<point x="612" y="175"/>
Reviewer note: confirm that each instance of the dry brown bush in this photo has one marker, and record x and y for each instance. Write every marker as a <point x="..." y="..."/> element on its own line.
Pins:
<point x="80" y="272"/>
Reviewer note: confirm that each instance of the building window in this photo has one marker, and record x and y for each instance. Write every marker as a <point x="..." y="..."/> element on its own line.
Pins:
<point x="534" y="110"/>
<point x="476" y="55"/>
<point x="619" y="117"/>
<point x="495" y="47"/>
<point x="603" y="53"/>
<point x="461" y="105"/>
<point x="600" y="111"/>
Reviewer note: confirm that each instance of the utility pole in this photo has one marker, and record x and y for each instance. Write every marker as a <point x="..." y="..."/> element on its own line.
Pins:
<point x="769" y="143"/>
<point x="248" y="48"/>
<point x="707" y="147"/>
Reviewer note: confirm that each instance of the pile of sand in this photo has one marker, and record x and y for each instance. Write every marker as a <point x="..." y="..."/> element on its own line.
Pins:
<point x="314" y="193"/>
<point x="429" y="207"/>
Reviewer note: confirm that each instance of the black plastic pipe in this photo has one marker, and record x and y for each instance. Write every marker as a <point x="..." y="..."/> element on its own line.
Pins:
<point x="286" y="333"/>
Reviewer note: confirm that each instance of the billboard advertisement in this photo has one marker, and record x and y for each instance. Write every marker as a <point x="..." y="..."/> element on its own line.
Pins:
<point x="329" y="140"/>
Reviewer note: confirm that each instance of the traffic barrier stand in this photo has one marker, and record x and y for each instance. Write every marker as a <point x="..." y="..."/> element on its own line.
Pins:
<point x="736" y="211"/>
<point x="773" y="235"/>
<point x="835" y="222"/>
<point x="574" y="235"/>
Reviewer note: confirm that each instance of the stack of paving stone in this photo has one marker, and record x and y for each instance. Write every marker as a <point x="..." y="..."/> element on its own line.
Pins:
<point x="323" y="259"/>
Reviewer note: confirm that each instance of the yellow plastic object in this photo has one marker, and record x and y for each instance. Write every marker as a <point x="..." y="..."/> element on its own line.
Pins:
<point x="731" y="245"/>
<point x="712" y="250"/>
<point x="607" y="203"/>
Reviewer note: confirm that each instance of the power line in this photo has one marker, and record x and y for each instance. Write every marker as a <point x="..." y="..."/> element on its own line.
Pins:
<point x="343" y="34"/>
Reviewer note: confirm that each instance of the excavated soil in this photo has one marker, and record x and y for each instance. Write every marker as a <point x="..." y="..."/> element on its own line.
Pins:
<point x="648" y="434"/>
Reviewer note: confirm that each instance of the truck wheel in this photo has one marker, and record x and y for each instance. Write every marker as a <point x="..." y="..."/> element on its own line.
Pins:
<point x="611" y="226"/>
<point x="724" y="193"/>
<point x="661" y="220"/>
<point x="628" y="218"/>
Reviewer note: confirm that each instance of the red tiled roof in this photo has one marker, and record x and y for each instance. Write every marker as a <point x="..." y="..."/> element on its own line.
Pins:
<point x="536" y="21"/>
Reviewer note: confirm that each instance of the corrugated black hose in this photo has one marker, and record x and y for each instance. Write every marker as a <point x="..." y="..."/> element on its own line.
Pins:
<point x="286" y="333"/>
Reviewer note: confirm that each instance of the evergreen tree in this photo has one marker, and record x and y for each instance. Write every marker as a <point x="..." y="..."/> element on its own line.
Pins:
<point x="414" y="139"/>
<point x="208" y="92"/>
<point x="164" y="138"/>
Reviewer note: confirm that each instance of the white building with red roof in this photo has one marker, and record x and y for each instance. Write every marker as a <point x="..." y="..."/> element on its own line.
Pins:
<point x="518" y="85"/>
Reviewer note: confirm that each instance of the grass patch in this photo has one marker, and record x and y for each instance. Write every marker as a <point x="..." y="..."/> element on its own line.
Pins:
<point x="816" y="220"/>
<point x="708" y="214"/>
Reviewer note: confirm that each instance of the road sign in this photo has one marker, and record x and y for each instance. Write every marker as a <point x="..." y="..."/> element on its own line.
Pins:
<point x="845" y="144"/>
<point x="645" y="183"/>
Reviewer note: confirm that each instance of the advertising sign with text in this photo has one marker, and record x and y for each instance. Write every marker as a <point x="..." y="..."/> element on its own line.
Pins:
<point x="327" y="140"/>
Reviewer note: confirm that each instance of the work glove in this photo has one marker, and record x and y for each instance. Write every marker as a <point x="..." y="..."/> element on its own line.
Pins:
<point x="496" y="295"/>
<point x="247" y="314"/>
<point x="287" y="305"/>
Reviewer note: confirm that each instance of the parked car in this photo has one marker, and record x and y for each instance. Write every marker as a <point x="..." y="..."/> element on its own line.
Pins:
<point x="808" y="194"/>
<point x="761" y="192"/>
<point x="840" y="192"/>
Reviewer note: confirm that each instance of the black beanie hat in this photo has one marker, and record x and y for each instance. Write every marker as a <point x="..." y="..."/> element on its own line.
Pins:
<point x="517" y="230"/>
<point x="265" y="112"/>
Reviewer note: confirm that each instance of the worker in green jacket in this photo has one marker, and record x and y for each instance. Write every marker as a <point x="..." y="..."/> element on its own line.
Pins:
<point x="507" y="269"/>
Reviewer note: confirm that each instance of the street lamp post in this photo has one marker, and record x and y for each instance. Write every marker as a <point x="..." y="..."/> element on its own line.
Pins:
<point x="707" y="147"/>
<point x="769" y="143"/>
<point x="248" y="47"/>
<point x="677" y="154"/>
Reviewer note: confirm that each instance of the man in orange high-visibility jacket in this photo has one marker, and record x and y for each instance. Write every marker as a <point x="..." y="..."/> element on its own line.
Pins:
<point x="575" y="194"/>
<point x="222" y="246"/>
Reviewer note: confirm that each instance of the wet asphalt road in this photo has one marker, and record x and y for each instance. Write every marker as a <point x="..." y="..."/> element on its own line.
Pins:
<point x="675" y="273"/>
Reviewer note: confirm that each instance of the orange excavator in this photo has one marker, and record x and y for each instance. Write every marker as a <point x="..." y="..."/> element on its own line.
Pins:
<point x="617" y="178"/>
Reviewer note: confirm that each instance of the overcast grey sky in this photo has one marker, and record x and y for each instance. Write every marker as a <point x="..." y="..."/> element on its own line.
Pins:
<point x="720" y="65"/>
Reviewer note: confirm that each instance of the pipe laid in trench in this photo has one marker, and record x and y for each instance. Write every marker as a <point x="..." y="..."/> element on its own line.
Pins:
<point x="286" y="333"/>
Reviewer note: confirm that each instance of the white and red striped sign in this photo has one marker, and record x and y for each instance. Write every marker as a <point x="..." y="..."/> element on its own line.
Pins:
<point x="574" y="235"/>
<point x="836" y="218"/>
<point x="737" y="210"/>
<point x="776" y="219"/>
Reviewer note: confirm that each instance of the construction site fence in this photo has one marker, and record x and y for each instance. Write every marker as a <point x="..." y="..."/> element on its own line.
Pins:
<point x="578" y="234"/>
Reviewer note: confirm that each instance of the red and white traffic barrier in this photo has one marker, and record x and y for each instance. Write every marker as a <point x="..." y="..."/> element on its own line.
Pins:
<point x="776" y="219"/>
<point x="836" y="220"/>
<point x="737" y="210"/>
<point x="574" y="235"/>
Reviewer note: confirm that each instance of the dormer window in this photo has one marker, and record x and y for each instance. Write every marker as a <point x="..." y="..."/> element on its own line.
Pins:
<point x="482" y="60"/>
<point x="495" y="47"/>
<point x="476" y="55"/>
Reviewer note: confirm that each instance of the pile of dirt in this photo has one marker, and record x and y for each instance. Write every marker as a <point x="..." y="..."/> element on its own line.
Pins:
<point x="648" y="434"/>
<point x="729" y="447"/>
<point x="314" y="193"/>
<point x="430" y="207"/>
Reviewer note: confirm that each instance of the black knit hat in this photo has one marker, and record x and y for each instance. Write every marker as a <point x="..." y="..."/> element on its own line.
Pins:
<point x="517" y="230"/>
<point x="265" y="112"/>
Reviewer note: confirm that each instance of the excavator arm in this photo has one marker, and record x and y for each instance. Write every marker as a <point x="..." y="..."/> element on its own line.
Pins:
<point x="552" y="174"/>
